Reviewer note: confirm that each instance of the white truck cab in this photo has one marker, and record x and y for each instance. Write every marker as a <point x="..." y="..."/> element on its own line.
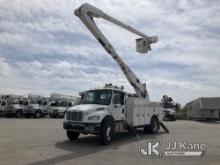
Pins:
<point x="109" y="110"/>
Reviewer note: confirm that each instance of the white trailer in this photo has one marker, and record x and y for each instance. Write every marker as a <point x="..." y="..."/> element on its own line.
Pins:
<point x="203" y="108"/>
<point x="110" y="109"/>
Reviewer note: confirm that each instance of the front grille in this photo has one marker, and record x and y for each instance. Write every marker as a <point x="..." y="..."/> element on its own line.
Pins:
<point x="75" y="116"/>
<point x="55" y="111"/>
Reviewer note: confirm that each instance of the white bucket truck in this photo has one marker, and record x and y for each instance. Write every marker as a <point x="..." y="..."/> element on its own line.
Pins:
<point x="59" y="103"/>
<point x="109" y="110"/>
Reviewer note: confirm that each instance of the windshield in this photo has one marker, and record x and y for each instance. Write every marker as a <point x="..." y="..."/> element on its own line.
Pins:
<point x="59" y="104"/>
<point x="168" y="105"/>
<point x="102" y="97"/>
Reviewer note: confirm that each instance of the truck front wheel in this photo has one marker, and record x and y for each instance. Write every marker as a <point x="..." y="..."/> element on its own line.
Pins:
<point x="106" y="131"/>
<point x="37" y="115"/>
<point x="18" y="114"/>
<point x="72" y="135"/>
<point x="153" y="127"/>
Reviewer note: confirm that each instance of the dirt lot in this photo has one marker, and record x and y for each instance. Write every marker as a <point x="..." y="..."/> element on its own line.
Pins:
<point x="43" y="141"/>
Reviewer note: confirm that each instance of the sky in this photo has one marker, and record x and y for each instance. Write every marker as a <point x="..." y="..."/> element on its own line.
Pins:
<point x="44" y="48"/>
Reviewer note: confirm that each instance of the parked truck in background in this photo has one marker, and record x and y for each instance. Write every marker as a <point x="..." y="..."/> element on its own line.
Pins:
<point x="59" y="103"/>
<point x="169" y="108"/>
<point x="14" y="105"/>
<point x="37" y="106"/>
<point x="108" y="110"/>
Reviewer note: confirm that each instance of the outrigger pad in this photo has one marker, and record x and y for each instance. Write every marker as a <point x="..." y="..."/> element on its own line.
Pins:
<point x="164" y="127"/>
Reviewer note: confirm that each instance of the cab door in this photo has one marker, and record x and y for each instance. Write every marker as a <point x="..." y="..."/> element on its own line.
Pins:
<point x="118" y="107"/>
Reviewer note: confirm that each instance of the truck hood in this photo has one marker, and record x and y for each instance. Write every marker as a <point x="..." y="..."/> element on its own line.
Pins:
<point x="87" y="107"/>
<point x="59" y="108"/>
<point x="34" y="106"/>
<point x="16" y="106"/>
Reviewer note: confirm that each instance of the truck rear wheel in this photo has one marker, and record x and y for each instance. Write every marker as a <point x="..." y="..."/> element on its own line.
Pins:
<point x="153" y="127"/>
<point x="72" y="135"/>
<point x="106" y="131"/>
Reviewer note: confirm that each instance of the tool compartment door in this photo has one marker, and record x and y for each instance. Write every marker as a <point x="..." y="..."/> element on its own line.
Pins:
<point x="142" y="114"/>
<point x="148" y="113"/>
<point x="136" y="116"/>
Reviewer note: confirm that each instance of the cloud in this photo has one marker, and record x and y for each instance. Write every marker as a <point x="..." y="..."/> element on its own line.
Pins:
<point x="5" y="69"/>
<point x="44" y="44"/>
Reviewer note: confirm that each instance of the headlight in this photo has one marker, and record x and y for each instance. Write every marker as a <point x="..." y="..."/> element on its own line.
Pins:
<point x="93" y="117"/>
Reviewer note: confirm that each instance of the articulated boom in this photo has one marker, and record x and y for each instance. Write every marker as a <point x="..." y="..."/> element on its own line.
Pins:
<point x="86" y="13"/>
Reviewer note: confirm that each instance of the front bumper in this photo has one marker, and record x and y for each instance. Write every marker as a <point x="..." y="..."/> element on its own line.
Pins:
<point x="57" y="114"/>
<point x="28" y="112"/>
<point x="92" y="128"/>
<point x="169" y="116"/>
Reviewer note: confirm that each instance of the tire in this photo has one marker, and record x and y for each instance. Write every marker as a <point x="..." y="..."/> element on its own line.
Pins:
<point x="106" y="131"/>
<point x="7" y="115"/>
<point x="18" y="114"/>
<point x="72" y="135"/>
<point x="27" y="116"/>
<point x="37" y="115"/>
<point x="153" y="127"/>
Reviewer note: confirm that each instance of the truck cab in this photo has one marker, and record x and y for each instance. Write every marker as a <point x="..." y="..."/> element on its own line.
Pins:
<point x="106" y="111"/>
<point x="169" y="111"/>
<point x="14" y="107"/>
<point x="58" y="108"/>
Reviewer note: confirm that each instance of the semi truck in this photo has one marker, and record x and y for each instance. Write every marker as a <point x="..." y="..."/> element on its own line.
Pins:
<point x="109" y="110"/>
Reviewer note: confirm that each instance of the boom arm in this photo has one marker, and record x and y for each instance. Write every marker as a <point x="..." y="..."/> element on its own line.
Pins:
<point x="86" y="12"/>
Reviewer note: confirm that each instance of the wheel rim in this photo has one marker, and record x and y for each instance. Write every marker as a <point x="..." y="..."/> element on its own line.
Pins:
<point x="38" y="115"/>
<point x="18" y="114"/>
<point x="108" y="133"/>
